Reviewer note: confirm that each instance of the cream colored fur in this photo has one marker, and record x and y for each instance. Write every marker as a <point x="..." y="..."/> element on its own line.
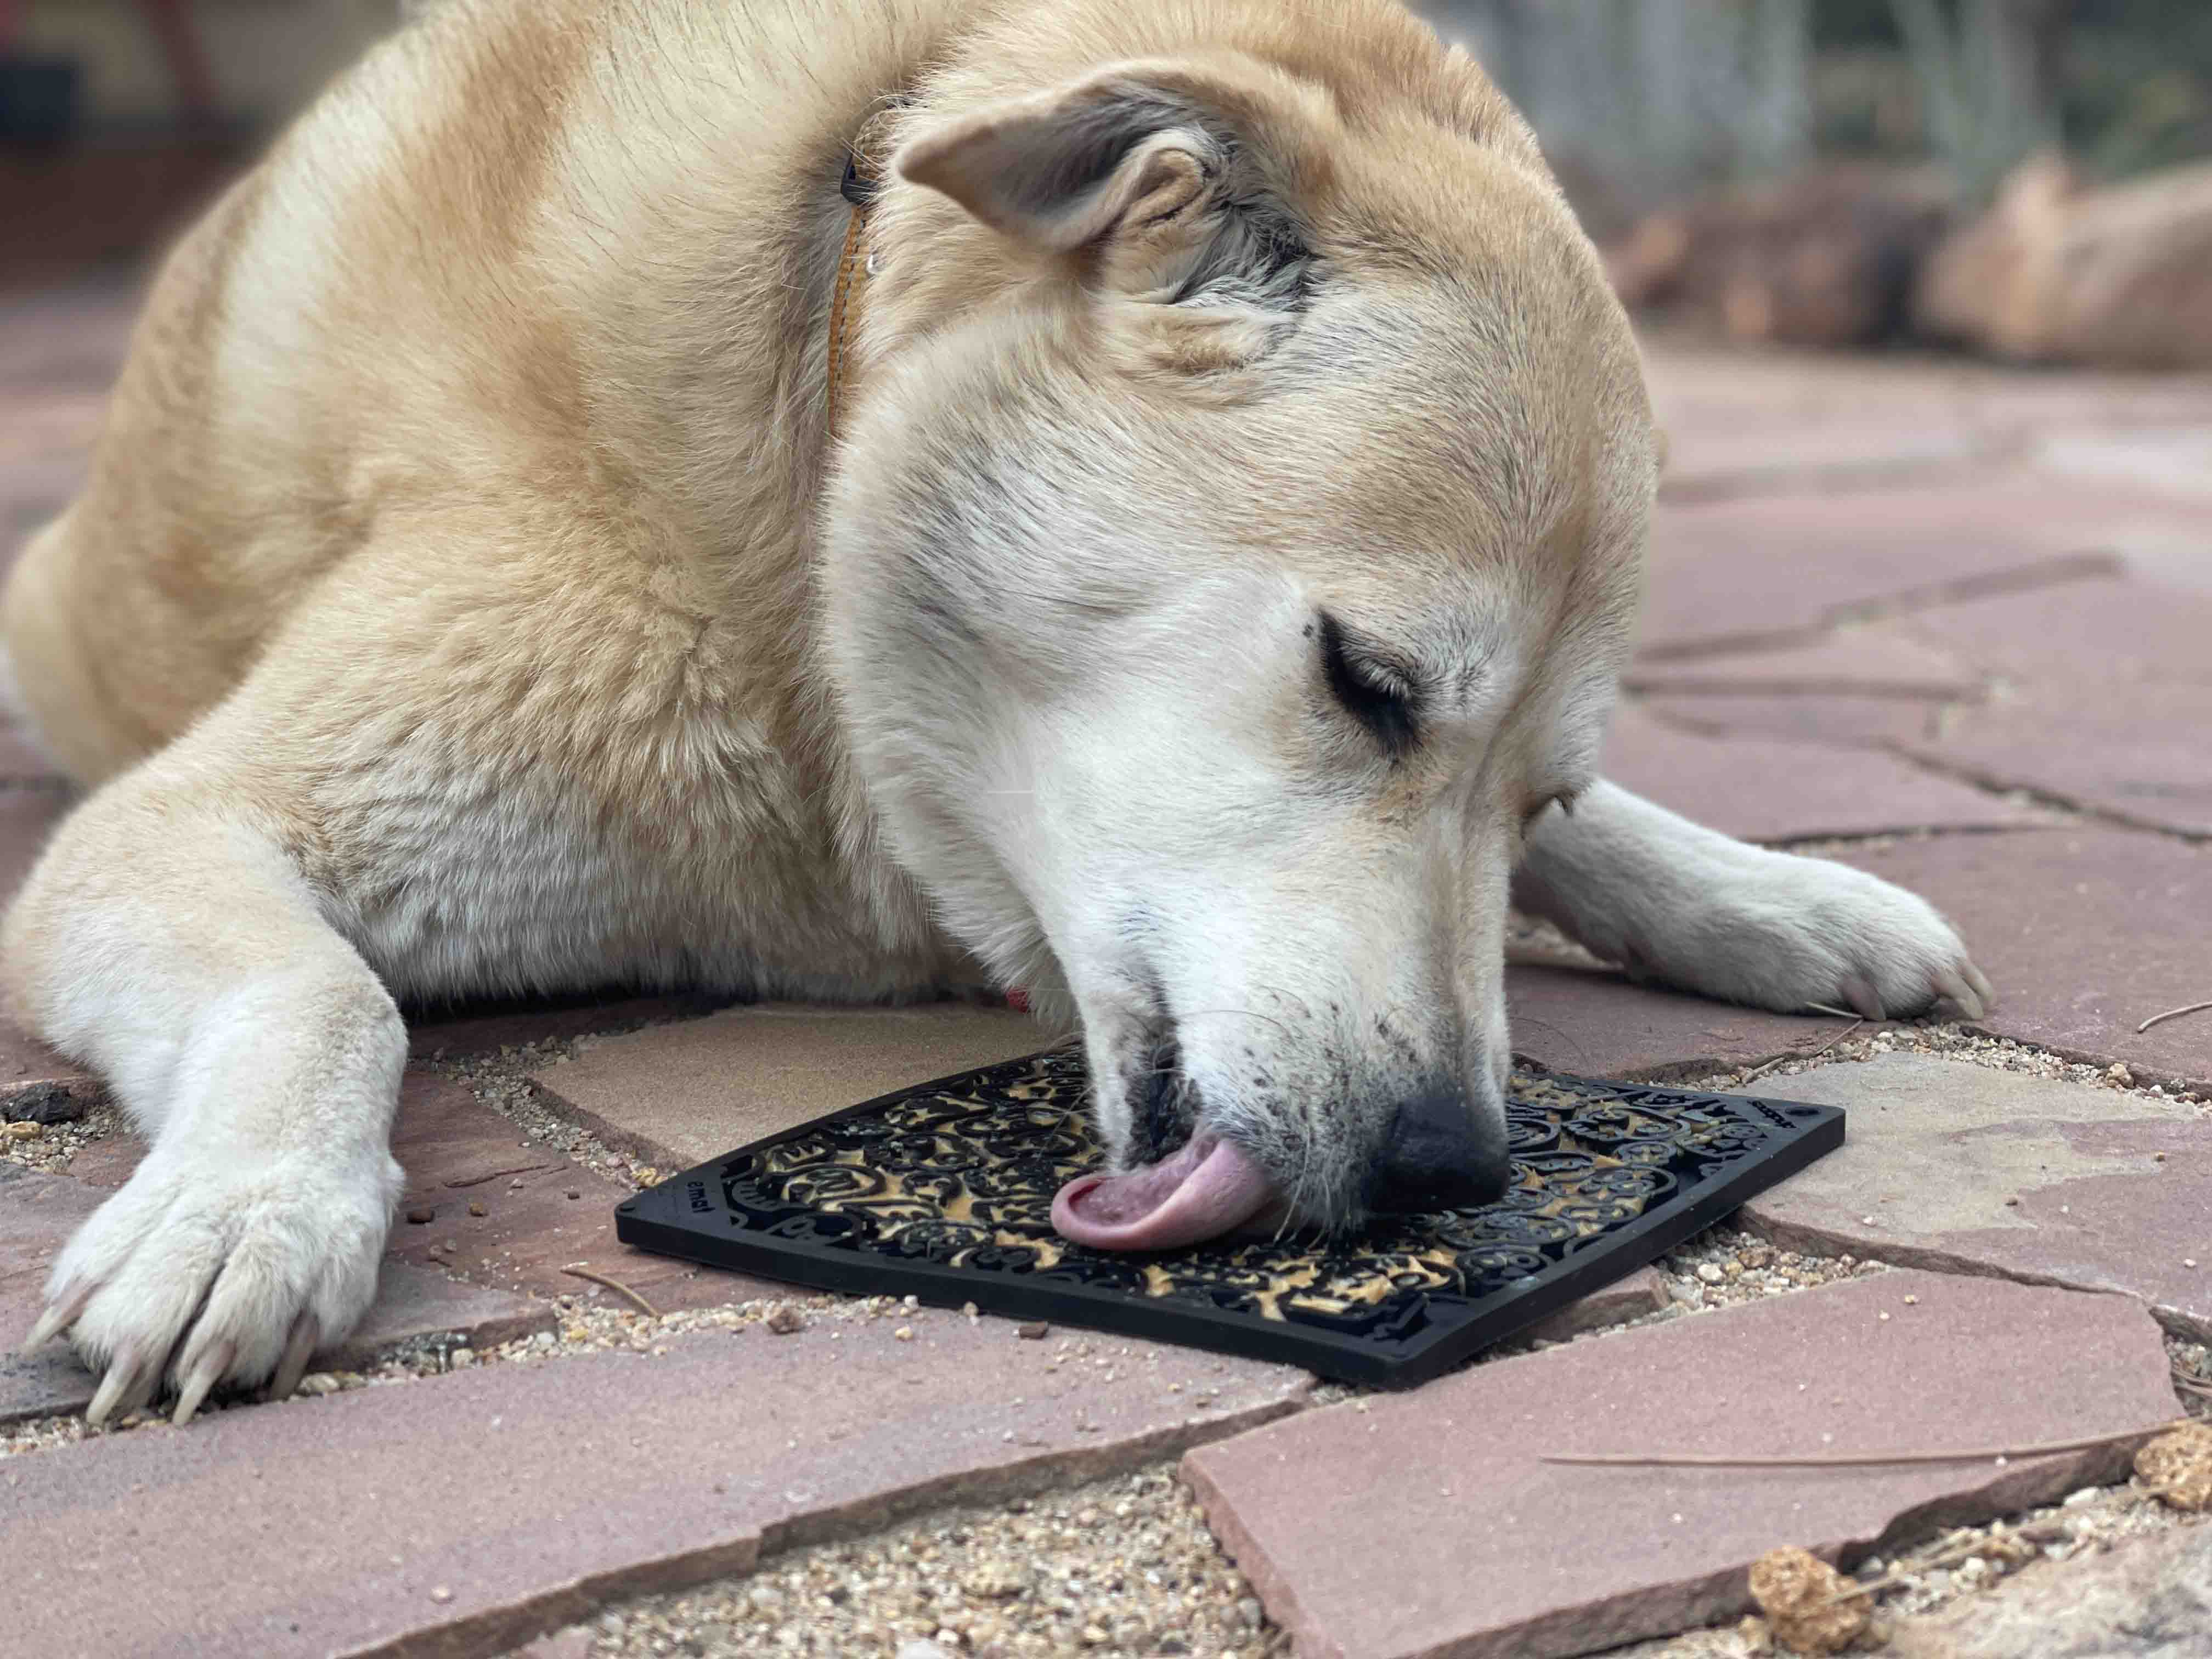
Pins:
<point x="469" y="598"/>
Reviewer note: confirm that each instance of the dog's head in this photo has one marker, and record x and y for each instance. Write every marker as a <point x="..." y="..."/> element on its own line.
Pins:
<point x="1231" y="559"/>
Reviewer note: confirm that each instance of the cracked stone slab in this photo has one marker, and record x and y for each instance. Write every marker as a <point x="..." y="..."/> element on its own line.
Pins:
<point x="2142" y="752"/>
<point x="1760" y="790"/>
<point x="1838" y="719"/>
<point x="1425" y="1524"/>
<point x="458" y="1153"/>
<point x="682" y="1094"/>
<point x="2085" y="932"/>
<point x="2150" y="1598"/>
<point x="483" y="1507"/>
<point x="2120" y="631"/>
<point x="1853" y="662"/>
<point x="1964" y="1169"/>
<point x="1764" y="570"/>
<point x="39" y="1214"/>
<point x="1594" y="1023"/>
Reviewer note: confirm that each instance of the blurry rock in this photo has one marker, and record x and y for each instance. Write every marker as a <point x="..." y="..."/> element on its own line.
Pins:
<point x="1806" y="1601"/>
<point x="2177" y="1466"/>
<point x="2150" y="1598"/>
<point x="1827" y="257"/>
<point x="2057" y="272"/>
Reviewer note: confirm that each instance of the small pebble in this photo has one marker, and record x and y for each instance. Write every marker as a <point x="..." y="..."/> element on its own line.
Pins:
<point x="904" y="1333"/>
<point x="1036" y="1331"/>
<point x="421" y="1215"/>
<point x="440" y="1593"/>
<point x="786" y="1320"/>
<point x="26" y="1130"/>
<point x="1709" y="1272"/>
<point x="475" y="1209"/>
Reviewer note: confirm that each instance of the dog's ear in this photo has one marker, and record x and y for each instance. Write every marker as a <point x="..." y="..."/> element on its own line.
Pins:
<point x="1133" y="152"/>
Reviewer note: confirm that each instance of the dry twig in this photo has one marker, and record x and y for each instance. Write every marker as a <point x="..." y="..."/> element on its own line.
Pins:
<point x="643" y="1306"/>
<point x="2172" y="1013"/>
<point x="1784" y="1059"/>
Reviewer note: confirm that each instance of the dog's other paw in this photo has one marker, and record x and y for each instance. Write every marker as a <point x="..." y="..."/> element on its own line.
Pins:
<point x="205" y="1270"/>
<point x="1786" y="932"/>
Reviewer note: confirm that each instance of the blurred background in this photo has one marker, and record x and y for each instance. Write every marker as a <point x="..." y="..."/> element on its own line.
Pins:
<point x="2020" y="177"/>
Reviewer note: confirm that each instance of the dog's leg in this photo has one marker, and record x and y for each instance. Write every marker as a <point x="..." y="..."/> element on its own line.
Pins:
<point x="169" y="939"/>
<point x="1672" y="902"/>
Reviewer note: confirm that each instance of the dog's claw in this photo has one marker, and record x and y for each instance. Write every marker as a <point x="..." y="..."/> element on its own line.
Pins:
<point x="129" y="1383"/>
<point x="306" y="1332"/>
<point x="60" y="1314"/>
<point x="1955" y="989"/>
<point x="204" y="1377"/>
<point x="1982" y="989"/>
<point x="1860" y="993"/>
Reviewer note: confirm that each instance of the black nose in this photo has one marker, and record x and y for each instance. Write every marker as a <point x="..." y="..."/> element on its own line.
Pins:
<point x="1438" y="1157"/>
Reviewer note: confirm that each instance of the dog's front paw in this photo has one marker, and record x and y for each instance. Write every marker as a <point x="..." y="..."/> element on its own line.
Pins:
<point x="205" y="1269"/>
<point x="1787" y="932"/>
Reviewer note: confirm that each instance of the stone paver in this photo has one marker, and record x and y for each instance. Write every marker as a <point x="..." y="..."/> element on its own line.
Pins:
<point x="2080" y="689"/>
<point x="2142" y="753"/>
<point x="2117" y="632"/>
<point x="1830" y="719"/>
<point x="37" y="1214"/>
<point x="1767" y="569"/>
<point x="464" y="1513"/>
<point x="1426" y="1524"/>
<point x="1766" y="791"/>
<point x="2149" y="1599"/>
<point x="1642" y="1292"/>
<point x="1969" y="1169"/>
<point x="458" y="1152"/>
<point x="1593" y="1023"/>
<point x="2085" y="932"/>
<point x="458" y="1031"/>
<point x="1851" y="662"/>
<point x="682" y="1094"/>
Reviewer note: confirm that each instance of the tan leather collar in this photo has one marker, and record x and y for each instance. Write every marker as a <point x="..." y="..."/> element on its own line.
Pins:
<point x="864" y="170"/>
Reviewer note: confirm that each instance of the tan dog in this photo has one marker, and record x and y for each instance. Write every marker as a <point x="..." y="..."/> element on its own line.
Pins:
<point x="1216" y="581"/>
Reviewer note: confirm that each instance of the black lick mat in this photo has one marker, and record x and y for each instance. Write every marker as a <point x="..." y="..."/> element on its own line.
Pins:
<point x="944" y="1192"/>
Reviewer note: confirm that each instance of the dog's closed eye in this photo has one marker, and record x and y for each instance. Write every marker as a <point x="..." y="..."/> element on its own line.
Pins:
<point x="1382" y="698"/>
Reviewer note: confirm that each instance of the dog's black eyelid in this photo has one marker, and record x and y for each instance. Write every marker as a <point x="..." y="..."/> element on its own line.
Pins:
<point x="1387" y="710"/>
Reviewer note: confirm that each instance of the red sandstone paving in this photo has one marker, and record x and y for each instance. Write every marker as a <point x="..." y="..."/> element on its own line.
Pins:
<point x="1968" y="1170"/>
<point x="1765" y="569"/>
<point x="2085" y="933"/>
<point x="1765" y="791"/>
<point x="1425" y="1524"/>
<point x="1831" y="719"/>
<point x="1852" y="662"/>
<point x="457" y="1153"/>
<point x="1593" y="1023"/>
<point x="532" y="1494"/>
<point x="683" y="1093"/>
<point x="2142" y="753"/>
<point x="2129" y="631"/>
<point x="37" y="1214"/>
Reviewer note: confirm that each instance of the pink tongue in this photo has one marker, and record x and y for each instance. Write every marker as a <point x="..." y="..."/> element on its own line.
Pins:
<point x="1209" y="1189"/>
